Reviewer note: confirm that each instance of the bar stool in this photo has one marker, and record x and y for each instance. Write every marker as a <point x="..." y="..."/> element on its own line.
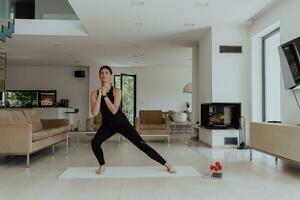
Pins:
<point x="75" y="116"/>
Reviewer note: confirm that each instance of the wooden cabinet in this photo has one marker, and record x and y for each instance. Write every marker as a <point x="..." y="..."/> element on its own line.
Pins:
<point x="279" y="140"/>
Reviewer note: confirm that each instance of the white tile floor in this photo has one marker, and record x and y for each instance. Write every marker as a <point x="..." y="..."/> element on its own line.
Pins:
<point x="259" y="179"/>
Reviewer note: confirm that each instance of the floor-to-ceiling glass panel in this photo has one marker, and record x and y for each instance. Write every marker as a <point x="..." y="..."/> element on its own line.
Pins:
<point x="271" y="96"/>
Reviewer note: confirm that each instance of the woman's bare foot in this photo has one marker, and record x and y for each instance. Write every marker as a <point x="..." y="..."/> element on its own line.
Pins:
<point x="101" y="169"/>
<point x="170" y="168"/>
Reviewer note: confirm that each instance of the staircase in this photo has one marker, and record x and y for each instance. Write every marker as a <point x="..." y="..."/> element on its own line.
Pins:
<point x="7" y="22"/>
<point x="7" y="29"/>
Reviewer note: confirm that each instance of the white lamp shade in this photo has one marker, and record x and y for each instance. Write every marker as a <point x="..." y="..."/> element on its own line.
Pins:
<point x="187" y="88"/>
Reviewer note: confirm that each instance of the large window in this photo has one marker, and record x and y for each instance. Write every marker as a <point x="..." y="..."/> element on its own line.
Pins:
<point x="21" y="99"/>
<point x="271" y="77"/>
<point x="28" y="98"/>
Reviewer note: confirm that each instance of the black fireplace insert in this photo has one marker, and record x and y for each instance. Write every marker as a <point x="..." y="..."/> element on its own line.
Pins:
<point x="220" y="115"/>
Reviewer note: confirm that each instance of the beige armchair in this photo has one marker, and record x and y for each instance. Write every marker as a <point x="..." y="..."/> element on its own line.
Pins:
<point x="152" y="123"/>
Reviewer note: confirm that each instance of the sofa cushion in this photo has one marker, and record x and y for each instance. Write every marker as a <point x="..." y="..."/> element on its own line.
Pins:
<point x="5" y="117"/>
<point x="18" y="116"/>
<point x="34" y="119"/>
<point x="151" y="116"/>
<point x="55" y="131"/>
<point x="39" y="135"/>
<point x="153" y="126"/>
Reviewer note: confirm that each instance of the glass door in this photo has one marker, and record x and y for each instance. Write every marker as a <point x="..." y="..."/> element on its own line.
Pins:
<point x="117" y="81"/>
<point x="128" y="86"/>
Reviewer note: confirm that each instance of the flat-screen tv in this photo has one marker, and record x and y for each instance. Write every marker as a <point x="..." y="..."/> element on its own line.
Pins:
<point x="290" y="63"/>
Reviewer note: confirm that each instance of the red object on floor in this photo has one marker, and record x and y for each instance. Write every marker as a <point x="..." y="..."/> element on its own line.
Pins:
<point x="220" y="167"/>
<point x="216" y="167"/>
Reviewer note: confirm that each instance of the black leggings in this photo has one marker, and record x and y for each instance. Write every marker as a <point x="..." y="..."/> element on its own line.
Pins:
<point x="129" y="132"/>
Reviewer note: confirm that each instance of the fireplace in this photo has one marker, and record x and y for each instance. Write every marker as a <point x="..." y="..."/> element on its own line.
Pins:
<point x="47" y="98"/>
<point x="220" y="115"/>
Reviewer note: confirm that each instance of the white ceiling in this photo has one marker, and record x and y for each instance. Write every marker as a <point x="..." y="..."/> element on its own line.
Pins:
<point x="113" y="39"/>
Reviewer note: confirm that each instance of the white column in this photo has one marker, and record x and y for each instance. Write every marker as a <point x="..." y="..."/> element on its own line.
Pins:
<point x="195" y="87"/>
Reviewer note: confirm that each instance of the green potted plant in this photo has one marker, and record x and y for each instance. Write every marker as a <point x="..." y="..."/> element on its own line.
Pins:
<point x="187" y="106"/>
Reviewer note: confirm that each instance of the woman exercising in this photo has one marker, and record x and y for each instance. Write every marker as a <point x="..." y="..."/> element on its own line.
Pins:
<point x="108" y="99"/>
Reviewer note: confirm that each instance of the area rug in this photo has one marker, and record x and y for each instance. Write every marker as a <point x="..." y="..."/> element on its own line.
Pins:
<point x="127" y="172"/>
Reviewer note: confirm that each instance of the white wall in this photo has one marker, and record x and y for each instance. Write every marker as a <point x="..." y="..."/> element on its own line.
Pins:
<point x="49" y="27"/>
<point x="227" y="68"/>
<point x="53" y="78"/>
<point x="195" y="90"/>
<point x="205" y="80"/>
<point x="205" y="68"/>
<point x="223" y="77"/>
<point x="157" y="88"/>
<point x="286" y="12"/>
<point x="195" y="85"/>
<point x="231" y="81"/>
<point x="52" y="6"/>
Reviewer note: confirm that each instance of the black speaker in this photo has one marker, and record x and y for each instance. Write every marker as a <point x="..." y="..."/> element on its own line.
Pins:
<point x="79" y="74"/>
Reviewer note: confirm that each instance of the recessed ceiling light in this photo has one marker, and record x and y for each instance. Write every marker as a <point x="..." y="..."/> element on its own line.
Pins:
<point x="137" y="55"/>
<point x="201" y="4"/>
<point x="137" y="3"/>
<point x="189" y="24"/>
<point x="136" y="46"/>
<point x="137" y="23"/>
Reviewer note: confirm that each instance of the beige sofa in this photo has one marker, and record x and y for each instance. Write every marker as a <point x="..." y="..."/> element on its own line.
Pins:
<point x="22" y="132"/>
<point x="152" y="123"/>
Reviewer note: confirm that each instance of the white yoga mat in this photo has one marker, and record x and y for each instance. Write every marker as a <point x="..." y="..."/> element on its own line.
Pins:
<point x="127" y="172"/>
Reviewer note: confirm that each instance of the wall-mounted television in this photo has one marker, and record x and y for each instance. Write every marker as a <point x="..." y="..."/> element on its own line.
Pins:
<point x="290" y="63"/>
